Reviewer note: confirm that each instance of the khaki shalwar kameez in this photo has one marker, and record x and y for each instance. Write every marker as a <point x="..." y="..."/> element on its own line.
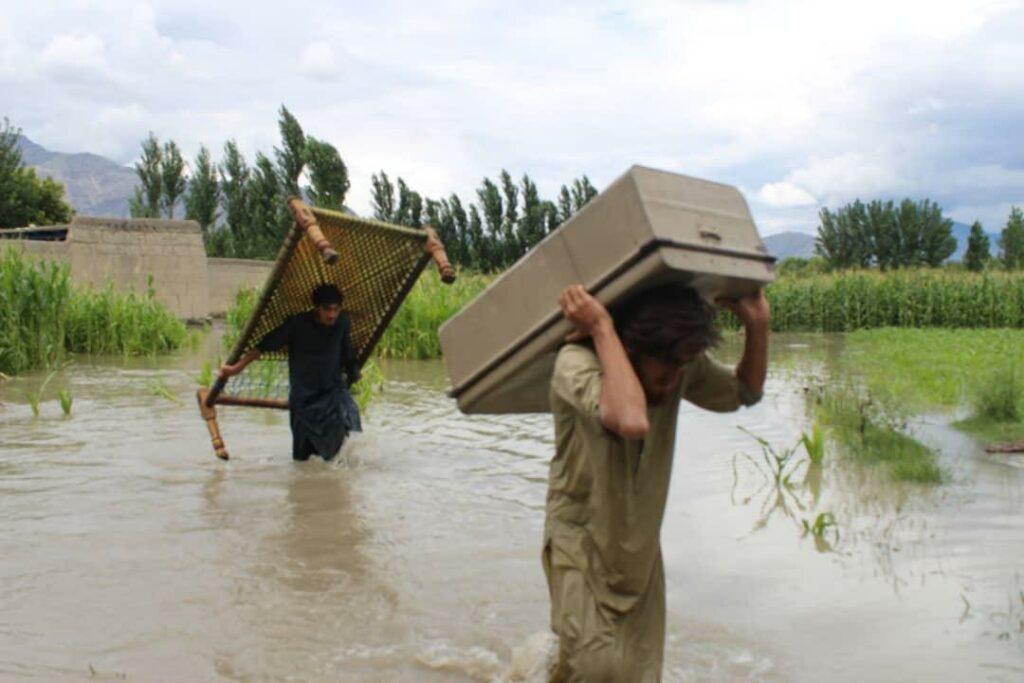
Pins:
<point x="606" y="500"/>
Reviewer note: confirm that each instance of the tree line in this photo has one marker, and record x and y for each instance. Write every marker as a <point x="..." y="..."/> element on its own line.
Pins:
<point x="26" y="199"/>
<point x="887" y="235"/>
<point x="241" y="207"/>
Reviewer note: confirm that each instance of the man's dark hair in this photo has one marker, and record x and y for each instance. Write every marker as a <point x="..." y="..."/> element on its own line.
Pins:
<point x="670" y="322"/>
<point x="324" y="295"/>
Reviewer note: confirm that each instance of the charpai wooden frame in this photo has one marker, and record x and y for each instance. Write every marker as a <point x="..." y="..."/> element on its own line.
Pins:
<point x="374" y="264"/>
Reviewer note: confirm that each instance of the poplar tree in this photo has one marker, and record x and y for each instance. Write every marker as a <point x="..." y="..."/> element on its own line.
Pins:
<point x="146" y="201"/>
<point x="203" y="198"/>
<point x="291" y="155"/>
<point x="1011" y="241"/>
<point x="172" y="177"/>
<point x="234" y="176"/>
<point x="978" y="246"/>
<point x="328" y="175"/>
<point x="382" y="196"/>
<point x="263" y="196"/>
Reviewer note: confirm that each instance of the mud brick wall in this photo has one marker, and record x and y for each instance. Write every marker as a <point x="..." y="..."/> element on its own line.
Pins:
<point x="126" y="251"/>
<point x="228" y="275"/>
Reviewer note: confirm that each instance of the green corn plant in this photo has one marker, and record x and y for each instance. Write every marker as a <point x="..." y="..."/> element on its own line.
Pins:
<point x="158" y="388"/>
<point x="814" y="444"/>
<point x="65" y="401"/>
<point x="35" y="396"/>
<point x="205" y="376"/>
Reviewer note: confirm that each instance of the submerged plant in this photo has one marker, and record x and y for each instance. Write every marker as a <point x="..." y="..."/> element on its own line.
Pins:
<point x="999" y="395"/>
<point x="371" y="382"/>
<point x="35" y="396"/>
<point x="159" y="388"/>
<point x="65" y="401"/>
<point x="205" y="376"/>
<point x="814" y="444"/>
<point x="874" y="433"/>
<point x="823" y="527"/>
<point x="776" y="468"/>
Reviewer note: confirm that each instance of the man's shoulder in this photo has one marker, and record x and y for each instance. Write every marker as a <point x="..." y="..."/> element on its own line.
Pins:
<point x="575" y="357"/>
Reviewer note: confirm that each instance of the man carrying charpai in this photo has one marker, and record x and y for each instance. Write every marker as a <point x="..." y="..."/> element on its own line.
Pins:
<point x="322" y="410"/>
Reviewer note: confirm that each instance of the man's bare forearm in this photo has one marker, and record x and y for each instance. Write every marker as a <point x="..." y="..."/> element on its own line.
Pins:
<point x="622" y="402"/>
<point x="753" y="366"/>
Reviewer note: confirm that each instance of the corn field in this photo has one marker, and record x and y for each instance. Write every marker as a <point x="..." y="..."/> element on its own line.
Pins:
<point x="856" y="300"/>
<point x="43" y="318"/>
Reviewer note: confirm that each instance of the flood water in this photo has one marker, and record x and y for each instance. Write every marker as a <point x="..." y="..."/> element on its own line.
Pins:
<point x="128" y="552"/>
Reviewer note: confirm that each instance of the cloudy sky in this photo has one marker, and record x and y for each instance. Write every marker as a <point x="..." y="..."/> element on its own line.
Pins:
<point x="800" y="104"/>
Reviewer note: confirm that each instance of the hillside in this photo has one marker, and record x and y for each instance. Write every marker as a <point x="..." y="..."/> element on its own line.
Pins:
<point x="94" y="185"/>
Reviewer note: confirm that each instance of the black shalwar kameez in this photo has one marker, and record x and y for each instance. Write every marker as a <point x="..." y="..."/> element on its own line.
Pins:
<point x="321" y="366"/>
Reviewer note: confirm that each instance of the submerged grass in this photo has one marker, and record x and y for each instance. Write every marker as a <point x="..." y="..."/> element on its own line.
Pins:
<point x="997" y="402"/>
<point x="872" y="434"/>
<point x="42" y="318"/>
<point x="936" y="369"/>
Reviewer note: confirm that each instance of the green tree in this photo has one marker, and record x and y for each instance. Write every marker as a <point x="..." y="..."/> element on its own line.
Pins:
<point x="460" y="222"/>
<point x="978" y="246"/>
<point x="511" y="249"/>
<point x="582" y="192"/>
<point x="574" y="197"/>
<point x="382" y="197"/>
<point x="146" y="201"/>
<point x="291" y="155"/>
<point x="880" y="235"/>
<point x="203" y="198"/>
<point x="234" y="176"/>
<point x="843" y="239"/>
<point x="24" y="198"/>
<point x="565" y="209"/>
<point x="533" y="223"/>
<point x="1011" y="241"/>
<point x="410" y="207"/>
<point x="263" y="195"/>
<point x="936" y="234"/>
<point x="172" y="177"/>
<point x="492" y="211"/>
<point x="481" y="258"/>
<point x="328" y="175"/>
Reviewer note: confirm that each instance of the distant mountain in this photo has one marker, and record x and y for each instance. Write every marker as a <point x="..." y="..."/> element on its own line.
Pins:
<point x="800" y="244"/>
<point x="790" y="244"/>
<point x="94" y="185"/>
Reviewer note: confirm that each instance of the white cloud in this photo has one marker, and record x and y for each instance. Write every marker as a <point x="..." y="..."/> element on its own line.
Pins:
<point x="784" y="194"/>
<point x="809" y="102"/>
<point x="319" y="62"/>
<point x="71" y="56"/>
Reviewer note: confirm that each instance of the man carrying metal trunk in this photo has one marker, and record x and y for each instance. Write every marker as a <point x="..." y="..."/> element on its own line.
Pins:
<point x="614" y="396"/>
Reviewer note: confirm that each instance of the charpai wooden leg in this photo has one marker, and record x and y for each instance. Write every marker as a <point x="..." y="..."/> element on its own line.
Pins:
<point x="209" y="413"/>
<point x="435" y="248"/>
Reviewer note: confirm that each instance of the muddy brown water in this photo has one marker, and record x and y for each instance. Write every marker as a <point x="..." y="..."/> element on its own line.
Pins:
<point x="127" y="552"/>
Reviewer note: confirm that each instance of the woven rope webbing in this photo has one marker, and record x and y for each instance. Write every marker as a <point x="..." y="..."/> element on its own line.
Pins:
<point x="378" y="264"/>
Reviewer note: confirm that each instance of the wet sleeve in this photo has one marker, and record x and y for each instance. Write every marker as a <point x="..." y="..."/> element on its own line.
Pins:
<point x="713" y="386"/>
<point x="349" y="359"/>
<point x="577" y="380"/>
<point x="277" y="338"/>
